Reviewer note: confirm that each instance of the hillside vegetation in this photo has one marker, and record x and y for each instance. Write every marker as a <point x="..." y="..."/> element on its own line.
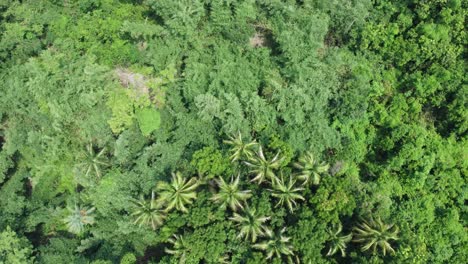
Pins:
<point x="233" y="131"/>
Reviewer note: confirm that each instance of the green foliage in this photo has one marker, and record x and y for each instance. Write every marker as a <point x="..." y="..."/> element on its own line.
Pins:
<point x="210" y="162"/>
<point x="149" y="120"/>
<point x="334" y="111"/>
<point x="14" y="249"/>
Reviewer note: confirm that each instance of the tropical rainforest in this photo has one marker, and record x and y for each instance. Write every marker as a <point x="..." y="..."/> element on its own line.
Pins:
<point x="233" y="131"/>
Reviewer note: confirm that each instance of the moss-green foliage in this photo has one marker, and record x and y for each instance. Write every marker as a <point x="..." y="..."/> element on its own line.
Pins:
<point x="375" y="90"/>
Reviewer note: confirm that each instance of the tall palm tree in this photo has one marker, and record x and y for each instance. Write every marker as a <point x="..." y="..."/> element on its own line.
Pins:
<point x="240" y="149"/>
<point x="338" y="241"/>
<point x="93" y="162"/>
<point x="276" y="244"/>
<point x="180" y="247"/>
<point x="229" y="193"/>
<point x="376" y="234"/>
<point x="310" y="169"/>
<point x="287" y="192"/>
<point x="78" y="218"/>
<point x="250" y="224"/>
<point x="263" y="168"/>
<point x="179" y="193"/>
<point x="148" y="213"/>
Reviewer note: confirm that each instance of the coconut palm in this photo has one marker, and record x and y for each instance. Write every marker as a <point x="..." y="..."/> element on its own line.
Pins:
<point x="338" y="241"/>
<point x="180" y="247"/>
<point x="376" y="234"/>
<point x="93" y="162"/>
<point x="229" y="193"/>
<point x="250" y="224"/>
<point x="148" y="213"/>
<point x="276" y="244"/>
<point x="310" y="169"/>
<point x="263" y="168"/>
<point x="179" y="193"/>
<point x="240" y="149"/>
<point x="78" y="218"/>
<point x="287" y="192"/>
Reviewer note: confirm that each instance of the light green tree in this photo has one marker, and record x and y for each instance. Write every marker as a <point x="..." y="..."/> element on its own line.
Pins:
<point x="14" y="249"/>
<point x="229" y="193"/>
<point x="179" y="193"/>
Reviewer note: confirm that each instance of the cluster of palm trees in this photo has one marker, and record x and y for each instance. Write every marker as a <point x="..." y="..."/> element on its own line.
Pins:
<point x="180" y="193"/>
<point x="372" y="234"/>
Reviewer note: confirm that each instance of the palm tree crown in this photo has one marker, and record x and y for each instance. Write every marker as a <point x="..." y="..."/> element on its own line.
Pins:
<point x="310" y="169"/>
<point x="286" y="192"/>
<point x="92" y="162"/>
<point x="79" y="218"/>
<point x="229" y="193"/>
<point x="179" y="193"/>
<point x="180" y="247"/>
<point x="276" y="244"/>
<point x="337" y="241"/>
<point x="148" y="212"/>
<point x="239" y="149"/>
<point x="250" y="224"/>
<point x="376" y="234"/>
<point x="263" y="168"/>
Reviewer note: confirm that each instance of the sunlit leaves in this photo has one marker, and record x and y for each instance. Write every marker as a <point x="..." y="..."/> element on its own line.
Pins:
<point x="286" y="192"/>
<point x="177" y="194"/>
<point x="263" y="168"/>
<point x="239" y="149"/>
<point x="276" y="244"/>
<point x="337" y="241"/>
<point x="310" y="169"/>
<point x="230" y="194"/>
<point x="375" y="234"/>
<point x="250" y="224"/>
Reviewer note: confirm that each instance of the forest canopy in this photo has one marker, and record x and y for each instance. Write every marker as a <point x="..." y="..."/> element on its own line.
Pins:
<point x="233" y="131"/>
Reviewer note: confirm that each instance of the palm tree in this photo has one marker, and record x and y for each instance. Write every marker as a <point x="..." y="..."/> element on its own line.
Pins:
<point x="310" y="169"/>
<point x="178" y="193"/>
<point x="180" y="247"/>
<point x="337" y="241"/>
<point x="263" y="168"/>
<point x="229" y="194"/>
<point x="376" y="234"/>
<point x="148" y="213"/>
<point x="93" y="162"/>
<point x="276" y="244"/>
<point x="287" y="192"/>
<point x="79" y="218"/>
<point x="250" y="224"/>
<point x="239" y="149"/>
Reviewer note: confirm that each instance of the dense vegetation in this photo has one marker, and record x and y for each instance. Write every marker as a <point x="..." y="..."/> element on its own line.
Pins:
<point x="234" y="131"/>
